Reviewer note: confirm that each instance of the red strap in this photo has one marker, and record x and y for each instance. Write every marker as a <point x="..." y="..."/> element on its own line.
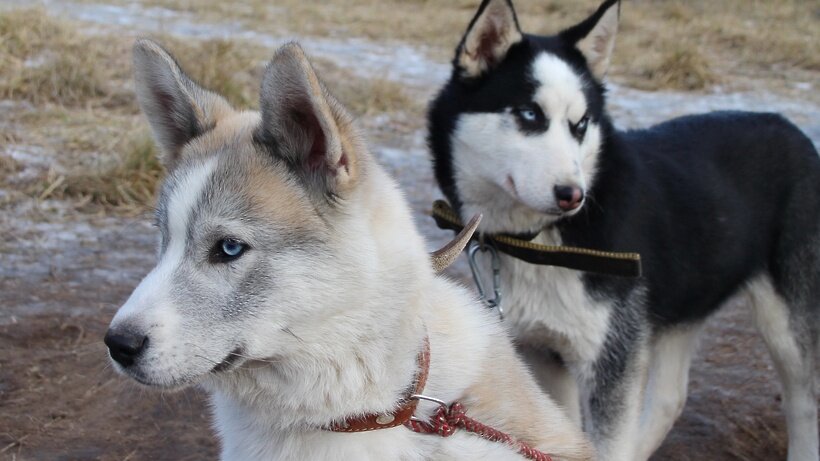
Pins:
<point x="444" y="423"/>
<point x="446" y="420"/>
<point x="399" y="416"/>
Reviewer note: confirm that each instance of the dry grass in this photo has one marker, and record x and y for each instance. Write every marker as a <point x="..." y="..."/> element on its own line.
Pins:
<point x="688" y="44"/>
<point x="50" y="61"/>
<point x="129" y="184"/>
<point x="367" y="96"/>
<point x="100" y="163"/>
<point x="80" y="91"/>
<point x="733" y="38"/>
<point x="44" y="60"/>
<point x="682" y="68"/>
<point x="230" y="68"/>
<point x="8" y="166"/>
<point x="83" y="106"/>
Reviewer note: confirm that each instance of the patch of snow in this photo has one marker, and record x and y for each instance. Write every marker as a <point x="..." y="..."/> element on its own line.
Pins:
<point x="632" y="108"/>
<point x="9" y="104"/>
<point x="37" y="61"/>
<point x="394" y="61"/>
<point x="34" y="160"/>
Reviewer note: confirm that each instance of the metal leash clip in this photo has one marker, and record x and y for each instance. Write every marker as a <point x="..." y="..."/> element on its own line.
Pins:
<point x="420" y="397"/>
<point x="472" y="252"/>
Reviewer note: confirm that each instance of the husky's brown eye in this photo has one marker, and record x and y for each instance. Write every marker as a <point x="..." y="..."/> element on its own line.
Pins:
<point x="227" y="250"/>
<point x="579" y="129"/>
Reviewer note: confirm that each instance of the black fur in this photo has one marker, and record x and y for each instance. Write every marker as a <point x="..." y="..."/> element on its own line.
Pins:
<point x="579" y="31"/>
<point x="715" y="192"/>
<point x="709" y="201"/>
<point x="507" y="86"/>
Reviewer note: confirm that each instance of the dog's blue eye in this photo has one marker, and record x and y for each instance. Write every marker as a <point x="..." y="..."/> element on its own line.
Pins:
<point x="231" y="248"/>
<point x="530" y="119"/>
<point x="579" y="129"/>
<point x="226" y="250"/>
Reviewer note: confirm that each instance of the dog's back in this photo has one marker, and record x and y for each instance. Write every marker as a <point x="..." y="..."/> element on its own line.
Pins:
<point x="729" y="195"/>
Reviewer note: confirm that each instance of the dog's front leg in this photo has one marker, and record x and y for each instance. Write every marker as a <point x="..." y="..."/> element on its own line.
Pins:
<point x="611" y="394"/>
<point x="554" y="378"/>
<point x="668" y="379"/>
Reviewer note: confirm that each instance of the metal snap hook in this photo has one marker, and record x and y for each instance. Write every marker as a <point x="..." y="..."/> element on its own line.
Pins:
<point x="495" y="265"/>
<point x="440" y="403"/>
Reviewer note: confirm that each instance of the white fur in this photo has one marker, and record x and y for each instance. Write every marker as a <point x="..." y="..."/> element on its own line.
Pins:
<point x="621" y="444"/>
<point x="278" y="412"/>
<point x="556" y="380"/>
<point x="485" y="178"/>
<point x="155" y="285"/>
<point x="560" y="314"/>
<point x="549" y="309"/>
<point x="561" y="95"/>
<point x="329" y="306"/>
<point x="771" y="314"/>
<point x="667" y="385"/>
<point x="151" y="305"/>
<point x="254" y="428"/>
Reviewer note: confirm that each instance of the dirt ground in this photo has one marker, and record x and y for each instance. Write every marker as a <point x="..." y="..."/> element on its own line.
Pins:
<point x="65" y="267"/>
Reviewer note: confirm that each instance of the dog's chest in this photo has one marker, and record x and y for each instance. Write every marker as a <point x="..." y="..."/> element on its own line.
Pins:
<point x="548" y="306"/>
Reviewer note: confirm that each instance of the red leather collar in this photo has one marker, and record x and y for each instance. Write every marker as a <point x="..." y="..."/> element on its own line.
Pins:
<point x="445" y="421"/>
<point x="399" y="416"/>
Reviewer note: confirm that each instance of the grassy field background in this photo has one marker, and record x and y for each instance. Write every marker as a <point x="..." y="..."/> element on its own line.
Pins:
<point x="664" y="44"/>
<point x="78" y="174"/>
<point x="75" y="92"/>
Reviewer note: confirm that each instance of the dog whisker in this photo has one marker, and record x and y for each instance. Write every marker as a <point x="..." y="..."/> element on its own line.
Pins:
<point x="290" y="332"/>
<point x="206" y="358"/>
<point x="237" y="354"/>
<point x="255" y="359"/>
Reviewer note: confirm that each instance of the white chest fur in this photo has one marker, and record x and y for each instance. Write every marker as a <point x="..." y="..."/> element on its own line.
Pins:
<point x="547" y="306"/>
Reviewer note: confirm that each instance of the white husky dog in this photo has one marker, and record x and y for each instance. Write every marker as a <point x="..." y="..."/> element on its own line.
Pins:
<point x="293" y="286"/>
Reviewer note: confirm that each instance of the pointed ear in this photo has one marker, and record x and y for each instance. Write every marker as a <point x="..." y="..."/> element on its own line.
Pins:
<point x="595" y="37"/>
<point x="305" y="125"/>
<point x="177" y="109"/>
<point x="492" y="32"/>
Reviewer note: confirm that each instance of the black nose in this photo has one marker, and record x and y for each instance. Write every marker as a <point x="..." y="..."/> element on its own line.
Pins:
<point x="125" y="346"/>
<point x="569" y="197"/>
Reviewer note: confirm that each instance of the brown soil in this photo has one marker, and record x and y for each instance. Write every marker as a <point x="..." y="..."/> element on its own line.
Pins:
<point x="59" y="398"/>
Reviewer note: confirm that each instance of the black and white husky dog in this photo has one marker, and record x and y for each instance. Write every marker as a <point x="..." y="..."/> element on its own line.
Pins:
<point x="718" y="205"/>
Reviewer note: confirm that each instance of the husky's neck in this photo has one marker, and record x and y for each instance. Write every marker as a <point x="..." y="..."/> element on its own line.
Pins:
<point x="362" y="357"/>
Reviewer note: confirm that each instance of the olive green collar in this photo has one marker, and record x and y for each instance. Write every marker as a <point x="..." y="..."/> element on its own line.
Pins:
<point x="582" y="259"/>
